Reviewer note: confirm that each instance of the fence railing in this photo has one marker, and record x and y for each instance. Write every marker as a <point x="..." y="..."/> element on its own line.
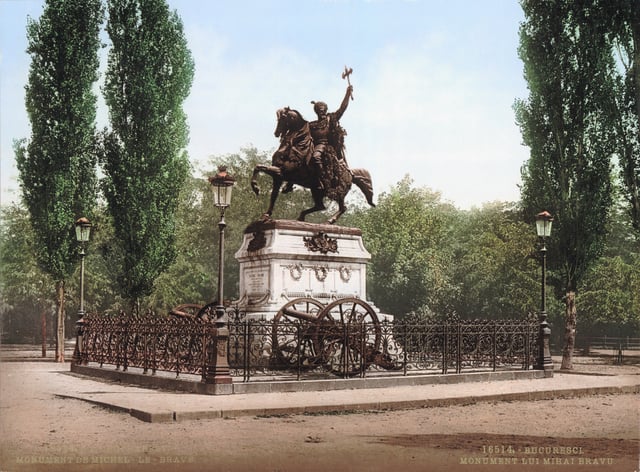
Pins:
<point x="152" y="343"/>
<point x="289" y="350"/>
<point x="259" y="347"/>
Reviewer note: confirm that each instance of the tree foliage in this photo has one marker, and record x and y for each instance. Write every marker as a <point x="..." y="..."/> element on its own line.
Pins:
<point x="149" y="75"/>
<point x="624" y="33"/>
<point x="567" y="124"/>
<point x="57" y="164"/>
<point x="491" y="267"/>
<point x="609" y="293"/>
<point x="564" y="122"/>
<point x="406" y="235"/>
<point x="26" y="289"/>
<point x="494" y="267"/>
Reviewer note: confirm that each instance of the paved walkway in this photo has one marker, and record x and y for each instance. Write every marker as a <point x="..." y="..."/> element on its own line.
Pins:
<point x="156" y="405"/>
<point x="163" y="406"/>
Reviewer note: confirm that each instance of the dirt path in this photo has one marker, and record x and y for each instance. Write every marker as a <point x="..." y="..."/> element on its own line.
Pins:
<point x="42" y="432"/>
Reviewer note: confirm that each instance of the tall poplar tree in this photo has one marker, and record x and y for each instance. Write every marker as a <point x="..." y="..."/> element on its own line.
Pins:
<point x="149" y="75"/>
<point x="57" y="164"/>
<point x="565" y="122"/>
<point x="624" y="18"/>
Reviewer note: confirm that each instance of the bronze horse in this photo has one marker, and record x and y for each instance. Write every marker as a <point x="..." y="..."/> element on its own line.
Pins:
<point x="290" y="163"/>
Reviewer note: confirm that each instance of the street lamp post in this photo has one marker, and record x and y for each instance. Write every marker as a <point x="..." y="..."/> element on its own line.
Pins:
<point x="83" y="230"/>
<point x="544" y="221"/>
<point x="218" y="370"/>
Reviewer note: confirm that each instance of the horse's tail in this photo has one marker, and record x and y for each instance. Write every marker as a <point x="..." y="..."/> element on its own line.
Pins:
<point x="362" y="179"/>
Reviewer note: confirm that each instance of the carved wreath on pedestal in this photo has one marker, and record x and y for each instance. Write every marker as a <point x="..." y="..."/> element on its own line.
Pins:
<point x="345" y="273"/>
<point x="321" y="243"/>
<point x="295" y="271"/>
<point x="321" y="273"/>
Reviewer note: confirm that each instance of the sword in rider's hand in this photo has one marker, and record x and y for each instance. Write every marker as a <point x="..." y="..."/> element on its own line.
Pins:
<point x="345" y="75"/>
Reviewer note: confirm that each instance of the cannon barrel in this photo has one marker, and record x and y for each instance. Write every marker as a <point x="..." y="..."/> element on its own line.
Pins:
<point x="300" y="315"/>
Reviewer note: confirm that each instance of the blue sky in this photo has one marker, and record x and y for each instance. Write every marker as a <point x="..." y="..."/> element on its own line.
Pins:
<point x="434" y="84"/>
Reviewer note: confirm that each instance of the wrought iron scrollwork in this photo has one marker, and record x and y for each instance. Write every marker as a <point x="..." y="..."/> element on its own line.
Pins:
<point x="308" y="339"/>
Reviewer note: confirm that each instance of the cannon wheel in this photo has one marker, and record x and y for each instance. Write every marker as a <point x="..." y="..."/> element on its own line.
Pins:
<point x="350" y="336"/>
<point x="295" y="338"/>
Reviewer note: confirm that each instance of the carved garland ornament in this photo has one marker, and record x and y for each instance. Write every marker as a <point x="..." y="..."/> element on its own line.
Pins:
<point x="295" y="271"/>
<point x="321" y="243"/>
<point x="345" y="273"/>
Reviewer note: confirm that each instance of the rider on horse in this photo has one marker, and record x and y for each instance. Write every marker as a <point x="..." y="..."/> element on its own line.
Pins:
<point x="327" y="132"/>
<point x="312" y="156"/>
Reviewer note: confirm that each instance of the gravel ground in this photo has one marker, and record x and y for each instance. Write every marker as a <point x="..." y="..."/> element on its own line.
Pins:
<point x="43" y="432"/>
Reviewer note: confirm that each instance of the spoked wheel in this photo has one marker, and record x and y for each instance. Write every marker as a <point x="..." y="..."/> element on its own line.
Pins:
<point x="350" y="336"/>
<point x="295" y="334"/>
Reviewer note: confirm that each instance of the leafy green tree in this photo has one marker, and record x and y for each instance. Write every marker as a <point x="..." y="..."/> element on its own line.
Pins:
<point x="27" y="291"/>
<point x="565" y="123"/>
<point x="406" y="234"/>
<point x="609" y="294"/>
<point x="494" y="268"/>
<point x="149" y="75"/>
<point x="57" y="165"/>
<point x="622" y="20"/>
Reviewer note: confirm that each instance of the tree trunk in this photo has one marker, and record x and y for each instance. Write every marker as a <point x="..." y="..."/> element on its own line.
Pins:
<point x="570" y="321"/>
<point x="43" y="325"/>
<point x="60" y="321"/>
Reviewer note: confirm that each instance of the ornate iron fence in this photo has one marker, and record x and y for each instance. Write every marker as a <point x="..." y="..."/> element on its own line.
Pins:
<point x="264" y="349"/>
<point x="297" y="349"/>
<point x="151" y="342"/>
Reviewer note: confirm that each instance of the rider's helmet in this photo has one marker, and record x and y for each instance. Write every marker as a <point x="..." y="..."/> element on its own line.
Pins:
<point x="317" y="106"/>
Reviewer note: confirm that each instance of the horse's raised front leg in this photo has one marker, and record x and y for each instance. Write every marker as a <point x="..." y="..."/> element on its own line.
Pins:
<point x="276" y="175"/>
<point x="272" y="171"/>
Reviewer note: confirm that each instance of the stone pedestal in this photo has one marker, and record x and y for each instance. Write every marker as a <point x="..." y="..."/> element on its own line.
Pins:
<point x="281" y="260"/>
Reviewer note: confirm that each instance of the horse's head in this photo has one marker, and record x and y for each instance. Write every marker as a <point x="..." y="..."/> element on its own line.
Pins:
<point x="288" y="120"/>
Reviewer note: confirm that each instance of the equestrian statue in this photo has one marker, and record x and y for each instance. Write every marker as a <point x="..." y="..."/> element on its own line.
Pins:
<point x="312" y="155"/>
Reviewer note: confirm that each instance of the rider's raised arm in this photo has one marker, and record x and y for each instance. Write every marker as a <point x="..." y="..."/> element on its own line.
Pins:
<point x="345" y="102"/>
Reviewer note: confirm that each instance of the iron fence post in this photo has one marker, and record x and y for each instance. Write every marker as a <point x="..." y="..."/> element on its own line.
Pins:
<point x="125" y="361"/>
<point x="363" y="352"/>
<point x="246" y="337"/>
<point x="218" y="372"/>
<point x="458" y="347"/>
<point x="404" y="348"/>
<point x="445" y="348"/>
<point x="494" y="342"/>
<point x="298" y="351"/>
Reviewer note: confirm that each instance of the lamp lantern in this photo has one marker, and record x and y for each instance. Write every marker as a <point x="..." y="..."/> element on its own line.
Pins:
<point x="544" y="220"/>
<point x="222" y="184"/>
<point x="83" y="229"/>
